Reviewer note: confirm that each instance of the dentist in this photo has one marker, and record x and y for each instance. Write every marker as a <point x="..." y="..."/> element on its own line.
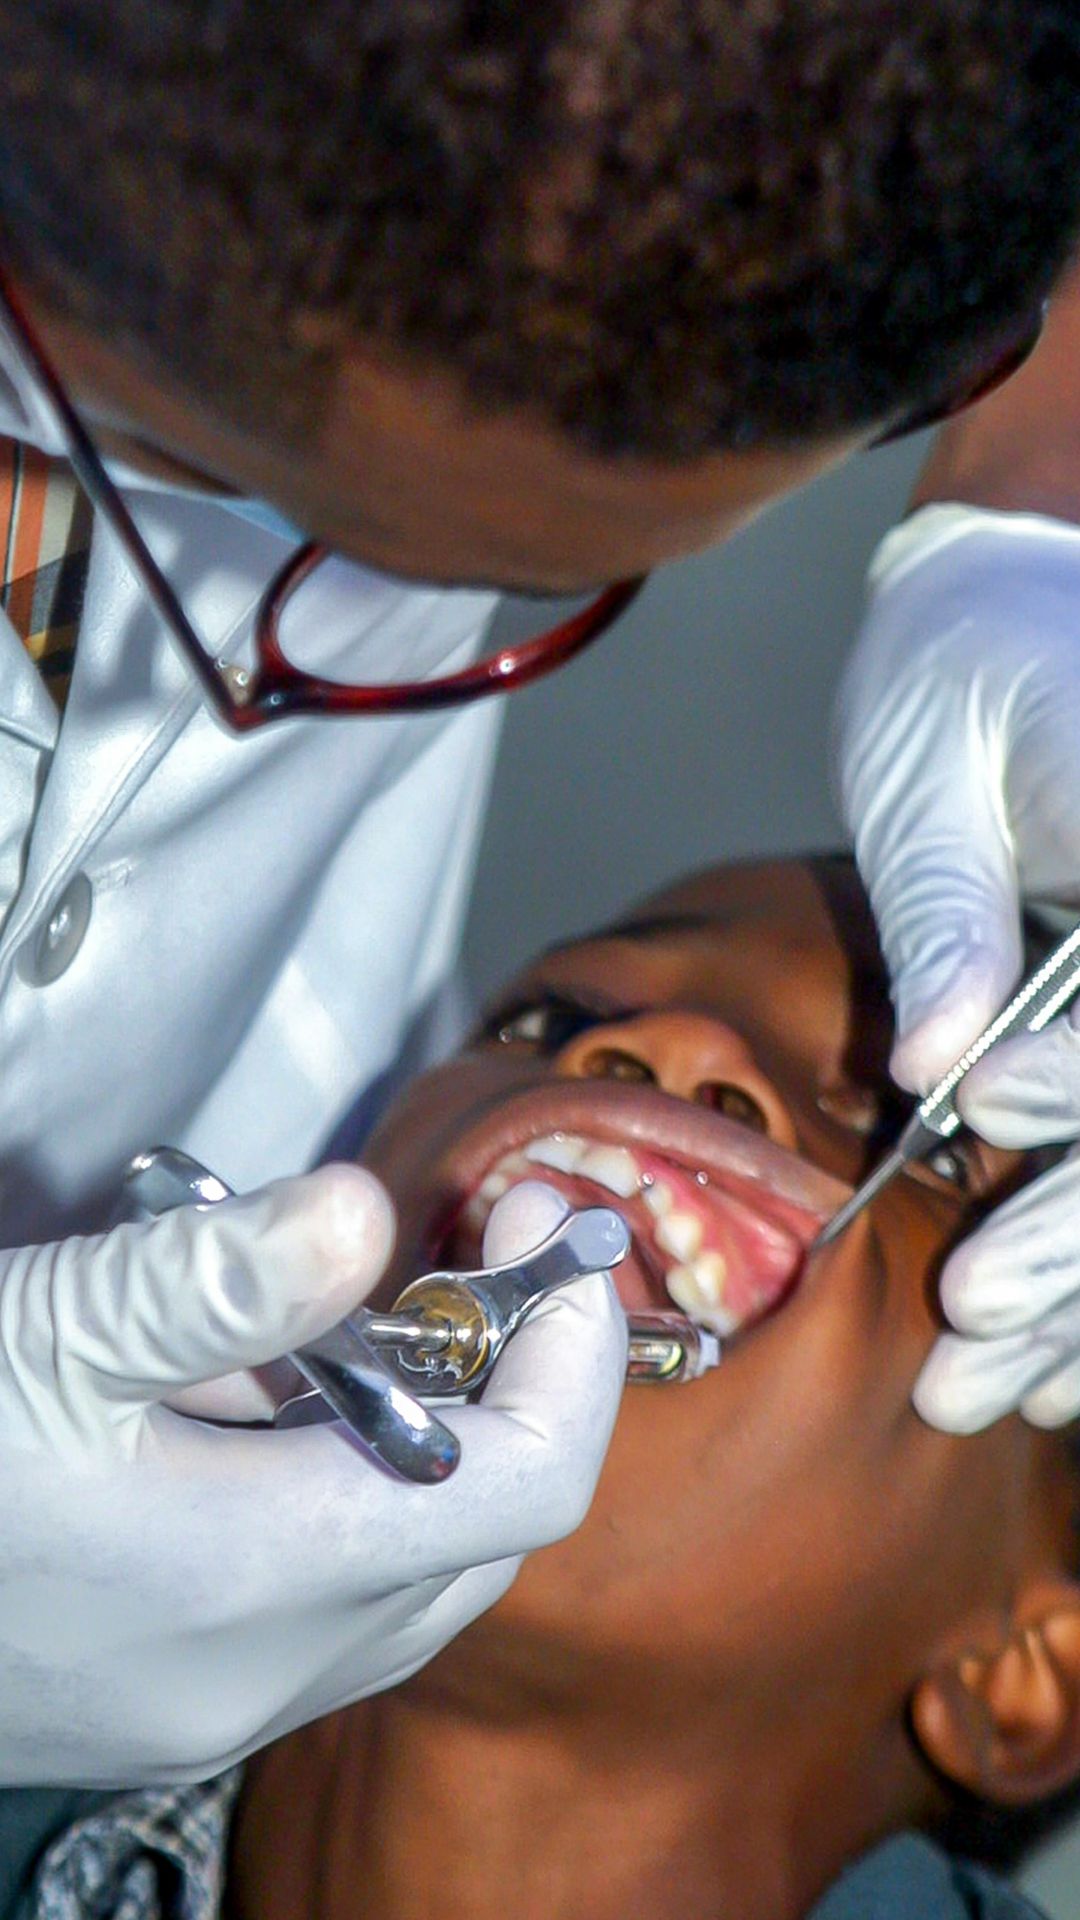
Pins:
<point x="478" y="299"/>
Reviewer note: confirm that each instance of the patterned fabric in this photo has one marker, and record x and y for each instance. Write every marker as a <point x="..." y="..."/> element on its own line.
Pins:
<point x="154" y="1855"/>
<point x="161" y="1856"/>
<point x="46" y="522"/>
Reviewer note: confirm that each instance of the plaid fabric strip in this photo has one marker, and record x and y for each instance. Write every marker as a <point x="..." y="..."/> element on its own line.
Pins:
<point x="46" y="522"/>
<point x="157" y="1854"/>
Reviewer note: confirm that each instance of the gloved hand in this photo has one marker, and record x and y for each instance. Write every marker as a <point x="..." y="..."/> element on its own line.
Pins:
<point x="175" y="1594"/>
<point x="960" y="759"/>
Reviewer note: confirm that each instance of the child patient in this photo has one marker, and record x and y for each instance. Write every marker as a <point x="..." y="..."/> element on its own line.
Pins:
<point x="796" y="1619"/>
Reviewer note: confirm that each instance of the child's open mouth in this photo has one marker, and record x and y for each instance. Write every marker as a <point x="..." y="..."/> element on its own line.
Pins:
<point x="721" y="1218"/>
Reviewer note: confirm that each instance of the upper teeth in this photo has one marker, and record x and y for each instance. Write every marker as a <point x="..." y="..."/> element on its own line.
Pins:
<point x="697" y="1288"/>
<point x="612" y="1167"/>
<point x="658" y="1197"/>
<point x="560" y="1151"/>
<point x="695" y="1280"/>
<point x="680" y="1234"/>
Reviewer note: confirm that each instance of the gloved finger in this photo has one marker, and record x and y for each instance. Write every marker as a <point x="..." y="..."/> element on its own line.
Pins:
<point x="965" y="1385"/>
<point x="533" y="1449"/>
<point x="199" y="1292"/>
<point x="923" y="789"/>
<point x="531" y="1452"/>
<point x="1057" y="1401"/>
<point x="1023" y="1262"/>
<point x="946" y="997"/>
<point x="255" y="1394"/>
<point x="520" y="1220"/>
<point x="1026" y="1091"/>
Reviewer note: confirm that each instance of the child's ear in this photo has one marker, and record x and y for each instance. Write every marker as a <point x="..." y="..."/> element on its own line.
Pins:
<point x="1004" y="1722"/>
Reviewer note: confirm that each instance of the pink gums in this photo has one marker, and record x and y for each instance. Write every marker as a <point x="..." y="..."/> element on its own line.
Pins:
<point x="761" y="1238"/>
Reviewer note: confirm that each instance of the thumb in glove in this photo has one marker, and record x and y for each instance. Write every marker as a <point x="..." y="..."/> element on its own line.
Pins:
<point x="100" y="1329"/>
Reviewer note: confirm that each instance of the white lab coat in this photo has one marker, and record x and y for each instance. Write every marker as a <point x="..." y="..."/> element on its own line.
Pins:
<point x="271" y="916"/>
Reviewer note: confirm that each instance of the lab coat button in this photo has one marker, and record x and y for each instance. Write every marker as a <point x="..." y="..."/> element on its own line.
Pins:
<point x="59" y="940"/>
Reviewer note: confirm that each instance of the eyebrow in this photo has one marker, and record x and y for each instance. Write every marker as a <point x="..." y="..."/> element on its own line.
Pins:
<point x="644" y="925"/>
<point x="639" y="928"/>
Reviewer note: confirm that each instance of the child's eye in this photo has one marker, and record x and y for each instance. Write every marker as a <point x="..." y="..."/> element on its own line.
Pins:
<point x="950" y="1162"/>
<point x="546" y="1021"/>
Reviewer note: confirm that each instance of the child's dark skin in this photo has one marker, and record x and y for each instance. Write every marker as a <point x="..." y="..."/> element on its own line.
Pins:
<point x="794" y="1609"/>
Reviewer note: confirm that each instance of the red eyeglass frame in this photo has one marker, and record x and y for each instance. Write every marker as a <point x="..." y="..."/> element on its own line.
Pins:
<point x="275" y="690"/>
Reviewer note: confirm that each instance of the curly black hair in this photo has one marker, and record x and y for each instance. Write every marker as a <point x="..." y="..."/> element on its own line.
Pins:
<point x="664" y="226"/>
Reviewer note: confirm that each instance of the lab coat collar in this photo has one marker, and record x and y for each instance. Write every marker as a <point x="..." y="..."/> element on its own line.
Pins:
<point x="21" y="418"/>
<point x="130" y="695"/>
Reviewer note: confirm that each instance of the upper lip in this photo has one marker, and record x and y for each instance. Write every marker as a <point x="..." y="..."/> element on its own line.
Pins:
<point x="613" y="1112"/>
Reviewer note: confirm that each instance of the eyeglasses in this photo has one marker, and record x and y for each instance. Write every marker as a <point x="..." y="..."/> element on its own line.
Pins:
<point x="1017" y="348"/>
<point x="278" y="687"/>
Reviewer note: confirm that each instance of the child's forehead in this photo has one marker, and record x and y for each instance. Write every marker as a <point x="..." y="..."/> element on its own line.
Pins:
<point x="735" y="892"/>
<point x="811" y="894"/>
<point x="808" y="913"/>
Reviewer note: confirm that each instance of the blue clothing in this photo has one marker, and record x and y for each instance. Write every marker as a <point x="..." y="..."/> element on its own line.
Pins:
<point x="908" y="1878"/>
<point x="31" y="1818"/>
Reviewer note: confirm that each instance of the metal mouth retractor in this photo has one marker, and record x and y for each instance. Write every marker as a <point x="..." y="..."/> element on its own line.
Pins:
<point x="442" y="1337"/>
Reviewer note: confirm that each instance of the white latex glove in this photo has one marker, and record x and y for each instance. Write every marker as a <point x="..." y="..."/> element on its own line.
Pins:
<point x="960" y="761"/>
<point x="174" y="1594"/>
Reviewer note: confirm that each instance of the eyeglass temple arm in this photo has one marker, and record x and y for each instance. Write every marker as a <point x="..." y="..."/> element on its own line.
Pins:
<point x="90" y="469"/>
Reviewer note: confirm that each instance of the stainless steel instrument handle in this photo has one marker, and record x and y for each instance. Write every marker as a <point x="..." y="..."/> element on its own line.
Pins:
<point x="1043" y="994"/>
<point x="479" y="1311"/>
<point x="443" y="1336"/>
<point x="401" y="1434"/>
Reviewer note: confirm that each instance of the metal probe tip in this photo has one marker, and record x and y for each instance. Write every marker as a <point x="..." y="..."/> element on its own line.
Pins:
<point x="892" y="1164"/>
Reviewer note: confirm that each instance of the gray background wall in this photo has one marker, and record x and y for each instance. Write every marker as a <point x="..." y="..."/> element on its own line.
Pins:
<point x="698" y="729"/>
<point x="695" y="729"/>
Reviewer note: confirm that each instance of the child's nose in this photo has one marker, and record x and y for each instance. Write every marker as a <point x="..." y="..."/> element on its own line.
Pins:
<point x="689" y="1055"/>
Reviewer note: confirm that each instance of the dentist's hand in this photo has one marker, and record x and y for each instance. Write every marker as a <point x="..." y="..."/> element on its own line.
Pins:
<point x="960" y="758"/>
<point x="175" y="1594"/>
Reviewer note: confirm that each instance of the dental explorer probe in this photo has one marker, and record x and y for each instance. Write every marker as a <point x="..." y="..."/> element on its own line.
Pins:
<point x="447" y="1341"/>
<point x="1046" y="992"/>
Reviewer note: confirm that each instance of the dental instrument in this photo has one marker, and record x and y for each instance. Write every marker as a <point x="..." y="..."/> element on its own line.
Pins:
<point x="663" y="1349"/>
<point x="1045" y="993"/>
<point x="362" y="1367"/>
<point x="444" y="1333"/>
<point x="667" y="1349"/>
